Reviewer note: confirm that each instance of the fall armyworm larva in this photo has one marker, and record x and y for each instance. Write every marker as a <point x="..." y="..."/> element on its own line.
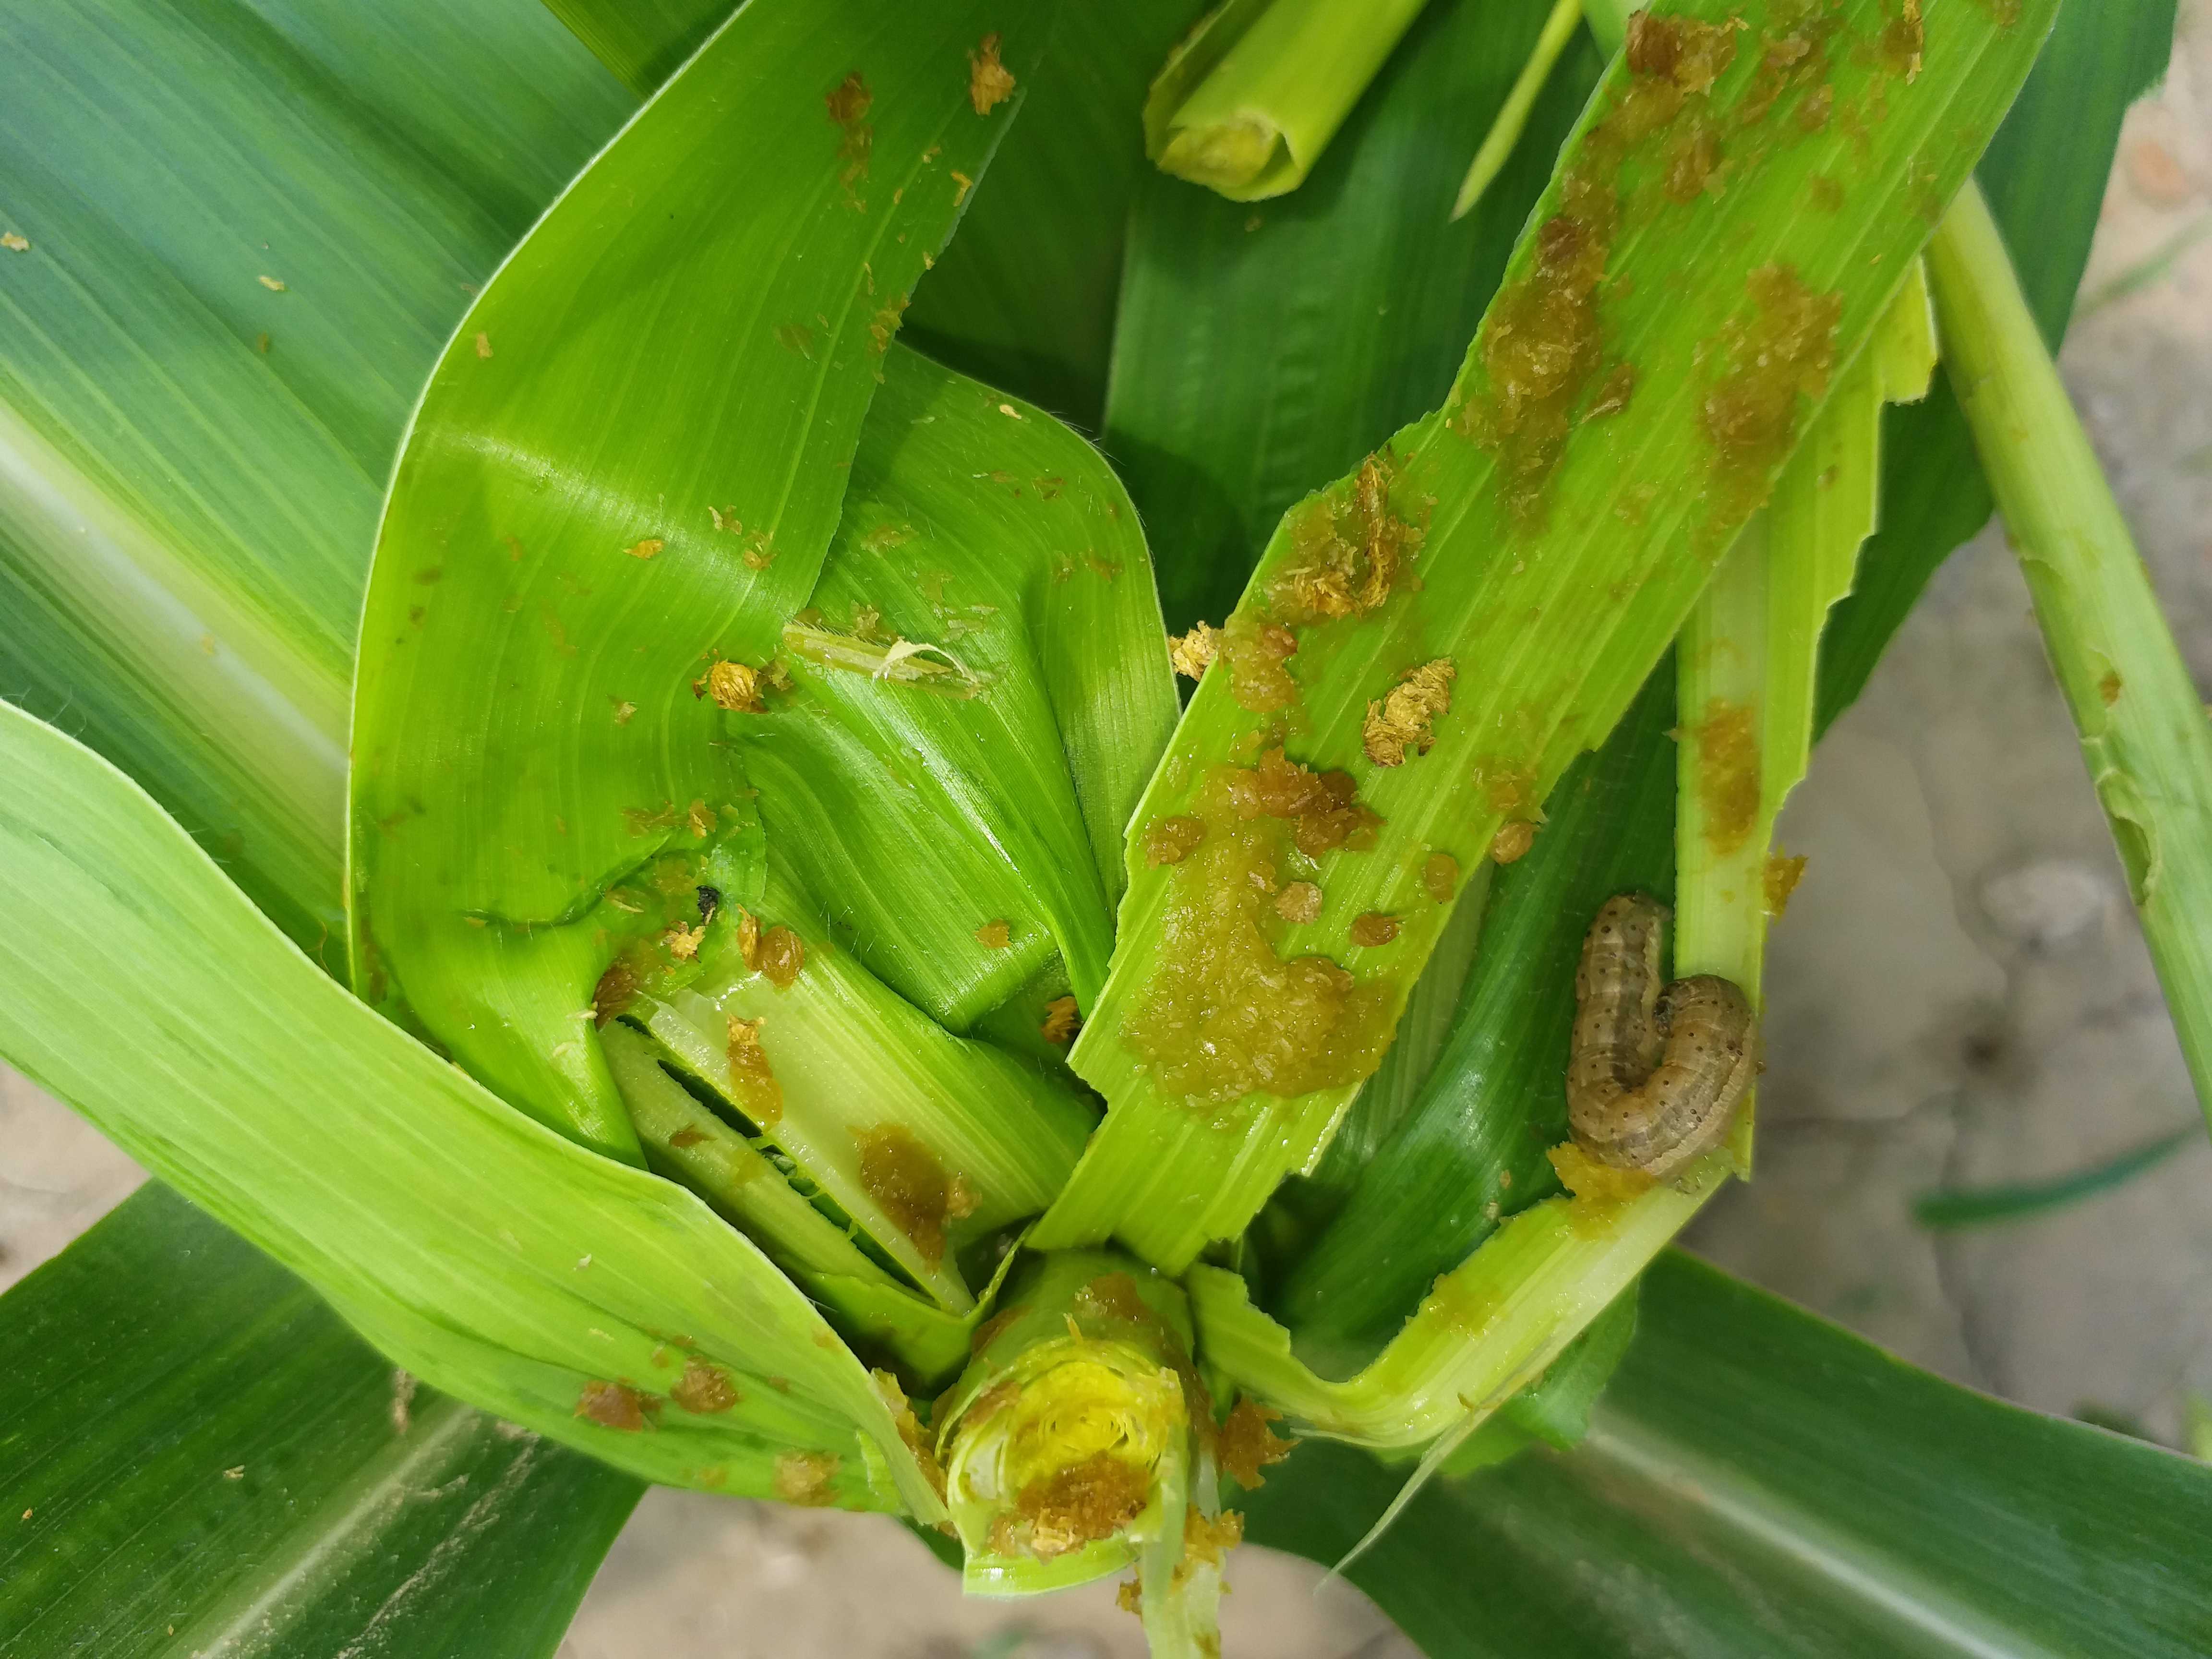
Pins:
<point x="1655" y="1074"/>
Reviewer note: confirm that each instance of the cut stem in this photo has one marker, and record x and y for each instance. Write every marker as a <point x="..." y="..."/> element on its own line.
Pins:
<point x="2140" y="718"/>
<point x="1247" y="103"/>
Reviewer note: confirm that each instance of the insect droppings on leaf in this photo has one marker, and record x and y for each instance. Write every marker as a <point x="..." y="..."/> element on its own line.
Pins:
<point x="911" y="1187"/>
<point x="1779" y="881"/>
<point x="645" y="548"/>
<point x="1248" y="1445"/>
<point x="990" y="82"/>
<point x="704" y="1389"/>
<point x="1171" y="839"/>
<point x="732" y="685"/>
<point x="1062" y="1019"/>
<point x="1512" y="842"/>
<point x="1404" y="718"/>
<point x="484" y="344"/>
<point x="1727" y="745"/>
<point x="14" y="243"/>
<point x="1298" y="902"/>
<point x="1440" y="876"/>
<point x="782" y="953"/>
<point x="271" y="284"/>
<point x="611" y="1406"/>
<point x="995" y="936"/>
<point x="805" y="1479"/>
<point x="753" y="1087"/>
<point x="847" y="103"/>
<point x="1373" y="929"/>
<point x="1191" y="654"/>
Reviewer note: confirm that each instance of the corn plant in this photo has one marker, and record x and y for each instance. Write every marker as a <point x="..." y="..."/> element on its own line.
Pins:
<point x="596" y="783"/>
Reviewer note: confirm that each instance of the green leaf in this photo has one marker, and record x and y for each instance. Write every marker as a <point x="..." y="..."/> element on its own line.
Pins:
<point x="628" y="468"/>
<point x="184" y="515"/>
<point x="1262" y="351"/>
<point x="1558" y="538"/>
<point x="207" y="1459"/>
<point x="486" y="1254"/>
<point x="1756" y="1480"/>
<point x="2018" y="1200"/>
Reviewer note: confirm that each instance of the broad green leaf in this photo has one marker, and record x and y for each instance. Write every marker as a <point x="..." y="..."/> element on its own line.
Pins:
<point x="625" y="470"/>
<point x="1558" y="537"/>
<point x="207" y="1460"/>
<point x="491" y="1257"/>
<point x="1757" y="1481"/>
<point x="2140" y="718"/>
<point x="1260" y="351"/>
<point x="251" y="229"/>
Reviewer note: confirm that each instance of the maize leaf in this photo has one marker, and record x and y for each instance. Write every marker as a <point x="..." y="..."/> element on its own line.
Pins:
<point x="209" y="1462"/>
<point x="250" y="230"/>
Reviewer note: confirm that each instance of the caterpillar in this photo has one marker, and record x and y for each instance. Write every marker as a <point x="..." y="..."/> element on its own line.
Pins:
<point x="1656" y="1071"/>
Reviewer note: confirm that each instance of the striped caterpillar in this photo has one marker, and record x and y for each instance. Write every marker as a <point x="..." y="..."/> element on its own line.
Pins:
<point x="1655" y="1074"/>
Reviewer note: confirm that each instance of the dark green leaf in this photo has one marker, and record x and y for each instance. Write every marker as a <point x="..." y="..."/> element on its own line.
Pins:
<point x="1759" y="1482"/>
<point x="1024" y="297"/>
<point x="642" y="42"/>
<point x="206" y="1461"/>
